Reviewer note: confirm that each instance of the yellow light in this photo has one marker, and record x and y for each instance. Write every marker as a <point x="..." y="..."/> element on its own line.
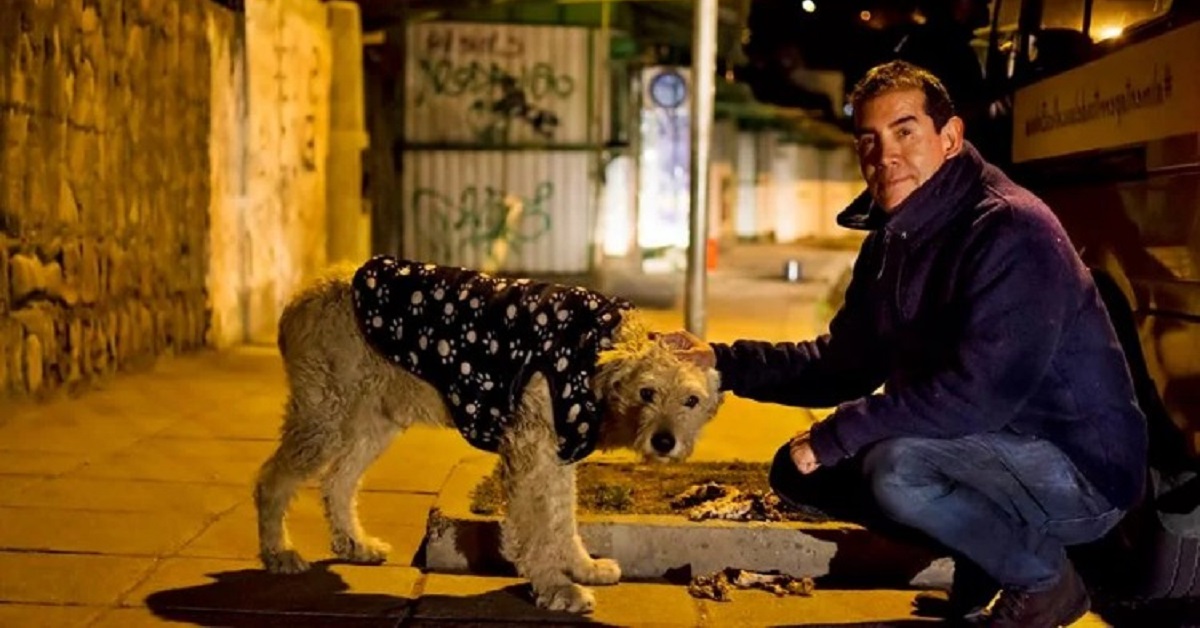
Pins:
<point x="865" y="16"/>
<point x="1109" y="32"/>
<point x="808" y="5"/>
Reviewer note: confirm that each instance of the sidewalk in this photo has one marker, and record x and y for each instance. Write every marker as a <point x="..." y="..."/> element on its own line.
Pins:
<point x="131" y="506"/>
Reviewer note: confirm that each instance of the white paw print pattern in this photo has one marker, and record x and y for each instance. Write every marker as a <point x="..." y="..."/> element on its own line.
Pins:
<point x="446" y="350"/>
<point x="374" y="318"/>
<point x="469" y="336"/>
<point x="425" y="338"/>
<point x="491" y="342"/>
<point x="395" y="328"/>
<point x="440" y="290"/>
<point x="417" y="302"/>
<point x="449" y="313"/>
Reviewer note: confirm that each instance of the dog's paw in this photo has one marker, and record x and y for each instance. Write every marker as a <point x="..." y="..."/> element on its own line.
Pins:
<point x="565" y="597"/>
<point x="367" y="550"/>
<point x="598" y="571"/>
<point x="286" y="561"/>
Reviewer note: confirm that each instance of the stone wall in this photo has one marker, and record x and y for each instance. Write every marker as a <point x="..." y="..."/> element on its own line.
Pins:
<point x="104" y="186"/>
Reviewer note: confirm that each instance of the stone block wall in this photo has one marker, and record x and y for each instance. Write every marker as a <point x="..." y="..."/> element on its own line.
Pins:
<point x="104" y="186"/>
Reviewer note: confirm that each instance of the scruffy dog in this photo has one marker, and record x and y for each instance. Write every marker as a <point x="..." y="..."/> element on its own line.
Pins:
<point x="539" y="373"/>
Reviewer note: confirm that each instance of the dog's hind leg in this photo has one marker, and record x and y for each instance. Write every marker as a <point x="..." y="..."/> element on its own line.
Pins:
<point x="368" y="437"/>
<point x="305" y="446"/>
<point x="539" y="534"/>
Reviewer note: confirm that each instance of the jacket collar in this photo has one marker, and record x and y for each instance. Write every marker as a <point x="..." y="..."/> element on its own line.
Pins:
<point x="928" y="208"/>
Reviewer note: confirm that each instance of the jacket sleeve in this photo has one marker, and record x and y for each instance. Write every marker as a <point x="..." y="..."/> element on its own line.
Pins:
<point x="1019" y="292"/>
<point x="846" y="363"/>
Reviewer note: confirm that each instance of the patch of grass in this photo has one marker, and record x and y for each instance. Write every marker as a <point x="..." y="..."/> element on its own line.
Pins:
<point x="645" y="489"/>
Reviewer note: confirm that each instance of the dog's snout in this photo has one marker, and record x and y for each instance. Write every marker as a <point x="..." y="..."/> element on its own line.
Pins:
<point x="663" y="442"/>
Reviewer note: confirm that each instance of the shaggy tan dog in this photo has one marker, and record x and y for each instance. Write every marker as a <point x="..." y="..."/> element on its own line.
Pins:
<point x="347" y="403"/>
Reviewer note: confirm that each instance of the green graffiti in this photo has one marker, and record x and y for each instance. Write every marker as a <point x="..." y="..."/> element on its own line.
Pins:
<point x="444" y="77"/>
<point x="480" y="217"/>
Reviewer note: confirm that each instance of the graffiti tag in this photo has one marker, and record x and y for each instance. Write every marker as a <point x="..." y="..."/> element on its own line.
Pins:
<point x="481" y="217"/>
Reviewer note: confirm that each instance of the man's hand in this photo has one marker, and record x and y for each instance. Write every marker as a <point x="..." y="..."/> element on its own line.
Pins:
<point x="687" y="346"/>
<point x="802" y="453"/>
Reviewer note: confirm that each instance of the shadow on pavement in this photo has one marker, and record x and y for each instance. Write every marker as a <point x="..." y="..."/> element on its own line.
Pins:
<point x="253" y="597"/>
<point x="508" y="606"/>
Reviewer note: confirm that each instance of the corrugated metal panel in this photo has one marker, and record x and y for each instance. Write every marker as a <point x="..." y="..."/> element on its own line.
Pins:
<point x="480" y="83"/>
<point x="454" y="208"/>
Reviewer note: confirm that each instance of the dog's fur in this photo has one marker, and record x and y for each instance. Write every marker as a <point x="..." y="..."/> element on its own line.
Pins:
<point x="347" y="403"/>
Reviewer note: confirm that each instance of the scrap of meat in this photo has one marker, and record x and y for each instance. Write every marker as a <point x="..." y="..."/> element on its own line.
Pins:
<point x="715" y="501"/>
<point x="717" y="585"/>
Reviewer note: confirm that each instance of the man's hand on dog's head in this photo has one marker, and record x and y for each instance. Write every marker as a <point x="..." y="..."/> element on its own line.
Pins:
<point x="688" y="347"/>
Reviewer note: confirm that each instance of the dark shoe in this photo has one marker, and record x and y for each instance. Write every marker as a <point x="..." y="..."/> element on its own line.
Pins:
<point x="970" y="592"/>
<point x="1060" y="605"/>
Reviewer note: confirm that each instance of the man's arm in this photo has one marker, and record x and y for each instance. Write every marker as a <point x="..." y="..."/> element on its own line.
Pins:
<point x="1020" y="291"/>
<point x="846" y="363"/>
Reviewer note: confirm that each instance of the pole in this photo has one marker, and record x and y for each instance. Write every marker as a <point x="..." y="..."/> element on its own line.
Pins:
<point x="704" y="69"/>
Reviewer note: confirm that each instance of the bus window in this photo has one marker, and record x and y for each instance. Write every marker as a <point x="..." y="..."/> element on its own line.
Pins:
<point x="1110" y="18"/>
<point x="1063" y="14"/>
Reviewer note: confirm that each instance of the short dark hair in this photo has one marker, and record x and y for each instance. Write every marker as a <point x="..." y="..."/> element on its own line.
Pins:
<point x="902" y="75"/>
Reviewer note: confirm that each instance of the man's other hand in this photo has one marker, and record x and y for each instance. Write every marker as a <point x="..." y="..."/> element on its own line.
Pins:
<point x="687" y="346"/>
<point x="802" y="453"/>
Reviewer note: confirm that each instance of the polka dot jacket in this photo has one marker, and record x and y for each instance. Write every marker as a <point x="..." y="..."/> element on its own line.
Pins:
<point x="478" y="339"/>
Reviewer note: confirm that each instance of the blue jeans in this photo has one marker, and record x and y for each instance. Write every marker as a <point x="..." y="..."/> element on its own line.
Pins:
<point x="1008" y="503"/>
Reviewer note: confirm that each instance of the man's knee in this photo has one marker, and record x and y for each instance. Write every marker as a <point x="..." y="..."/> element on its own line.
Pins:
<point x="900" y="476"/>
<point x="784" y="477"/>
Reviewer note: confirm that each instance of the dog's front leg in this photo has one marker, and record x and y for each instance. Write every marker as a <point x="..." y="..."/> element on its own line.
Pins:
<point x="539" y="534"/>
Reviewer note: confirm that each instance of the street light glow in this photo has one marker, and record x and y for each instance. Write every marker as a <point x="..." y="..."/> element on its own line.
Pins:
<point x="808" y="5"/>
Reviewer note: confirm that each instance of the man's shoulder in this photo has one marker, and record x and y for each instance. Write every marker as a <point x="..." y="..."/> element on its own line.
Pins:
<point x="1005" y="202"/>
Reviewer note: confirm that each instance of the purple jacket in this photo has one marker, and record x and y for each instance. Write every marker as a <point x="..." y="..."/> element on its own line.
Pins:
<point x="971" y="306"/>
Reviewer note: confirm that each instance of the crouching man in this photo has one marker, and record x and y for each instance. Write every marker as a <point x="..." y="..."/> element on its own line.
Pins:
<point x="1007" y="428"/>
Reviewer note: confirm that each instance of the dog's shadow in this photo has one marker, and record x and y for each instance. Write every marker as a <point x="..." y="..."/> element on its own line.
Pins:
<point x="319" y="597"/>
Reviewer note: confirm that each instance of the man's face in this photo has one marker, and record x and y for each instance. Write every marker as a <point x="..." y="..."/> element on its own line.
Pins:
<point x="898" y="147"/>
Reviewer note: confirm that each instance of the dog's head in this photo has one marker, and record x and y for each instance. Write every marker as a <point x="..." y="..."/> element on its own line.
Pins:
<point x="656" y="403"/>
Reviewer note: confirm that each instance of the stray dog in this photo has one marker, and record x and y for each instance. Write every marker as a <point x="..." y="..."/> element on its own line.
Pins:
<point x="539" y="373"/>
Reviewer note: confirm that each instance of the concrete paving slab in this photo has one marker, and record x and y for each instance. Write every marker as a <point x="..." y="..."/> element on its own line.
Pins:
<point x="83" y="438"/>
<point x="48" y="616"/>
<point x="39" y="463"/>
<point x="150" y="464"/>
<point x="145" y="618"/>
<point x="119" y="533"/>
<point x="80" y="579"/>
<point x="190" y="584"/>
<point x="419" y="460"/>
<point x="123" y="495"/>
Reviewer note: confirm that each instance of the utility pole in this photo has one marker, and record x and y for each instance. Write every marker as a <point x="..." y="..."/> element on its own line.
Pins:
<point x="704" y="69"/>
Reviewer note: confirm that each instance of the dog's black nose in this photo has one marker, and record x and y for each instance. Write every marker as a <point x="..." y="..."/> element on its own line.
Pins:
<point x="663" y="442"/>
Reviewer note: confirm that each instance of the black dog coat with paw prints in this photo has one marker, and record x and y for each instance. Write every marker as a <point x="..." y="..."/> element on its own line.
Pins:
<point x="478" y="339"/>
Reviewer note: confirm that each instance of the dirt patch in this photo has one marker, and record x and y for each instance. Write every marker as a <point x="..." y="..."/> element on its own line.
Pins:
<point x="648" y="489"/>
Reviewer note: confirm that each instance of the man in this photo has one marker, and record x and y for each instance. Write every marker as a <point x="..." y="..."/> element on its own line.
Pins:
<point x="1007" y="427"/>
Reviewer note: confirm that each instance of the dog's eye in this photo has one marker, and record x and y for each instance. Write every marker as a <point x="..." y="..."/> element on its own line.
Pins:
<point x="691" y="401"/>
<point x="647" y="395"/>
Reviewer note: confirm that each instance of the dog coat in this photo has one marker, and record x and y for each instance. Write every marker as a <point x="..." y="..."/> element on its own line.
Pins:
<point x="478" y="339"/>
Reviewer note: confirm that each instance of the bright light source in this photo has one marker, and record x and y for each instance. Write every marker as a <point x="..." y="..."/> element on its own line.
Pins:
<point x="808" y="5"/>
<point x="1109" y="32"/>
<point x="865" y="16"/>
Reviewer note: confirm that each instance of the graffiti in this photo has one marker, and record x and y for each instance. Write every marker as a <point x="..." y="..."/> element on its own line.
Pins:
<point x="440" y="41"/>
<point x="483" y="219"/>
<point x="444" y="77"/>
<point x="500" y="98"/>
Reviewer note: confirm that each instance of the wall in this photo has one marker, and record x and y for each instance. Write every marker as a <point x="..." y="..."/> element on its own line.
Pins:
<point x="270" y="142"/>
<point x="104" y="186"/>
<point x="503" y="125"/>
<point x="162" y="179"/>
<point x="288" y="47"/>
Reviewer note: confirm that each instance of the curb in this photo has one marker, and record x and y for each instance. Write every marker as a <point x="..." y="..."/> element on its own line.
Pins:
<point x="674" y="548"/>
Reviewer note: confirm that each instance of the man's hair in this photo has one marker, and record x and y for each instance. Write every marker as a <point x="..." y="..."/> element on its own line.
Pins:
<point x="901" y="75"/>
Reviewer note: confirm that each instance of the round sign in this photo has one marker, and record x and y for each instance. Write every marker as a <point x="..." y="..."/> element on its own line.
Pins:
<point x="668" y="89"/>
